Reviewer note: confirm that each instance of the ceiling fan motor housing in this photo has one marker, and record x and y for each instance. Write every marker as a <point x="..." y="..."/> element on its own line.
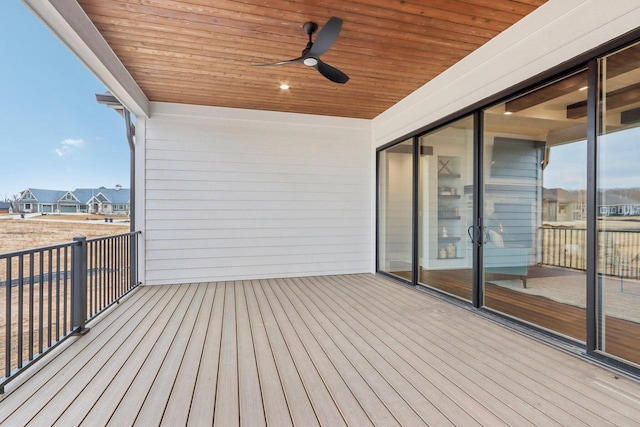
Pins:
<point x="310" y="28"/>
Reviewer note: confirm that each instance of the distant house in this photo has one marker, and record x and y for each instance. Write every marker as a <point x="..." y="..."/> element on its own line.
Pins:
<point x="5" y="207"/>
<point x="108" y="201"/>
<point x="559" y="204"/>
<point x="619" y="203"/>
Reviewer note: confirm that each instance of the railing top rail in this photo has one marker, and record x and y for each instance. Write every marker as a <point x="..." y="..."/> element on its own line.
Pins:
<point x="61" y="245"/>
<point x="617" y="230"/>
<point x="129" y="233"/>
<point x="38" y="249"/>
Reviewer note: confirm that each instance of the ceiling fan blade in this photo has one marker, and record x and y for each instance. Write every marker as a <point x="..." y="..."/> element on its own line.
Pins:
<point x="274" y="64"/>
<point x="326" y="37"/>
<point x="331" y="73"/>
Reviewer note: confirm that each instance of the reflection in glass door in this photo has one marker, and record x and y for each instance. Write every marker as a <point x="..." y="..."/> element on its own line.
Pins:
<point x="445" y="209"/>
<point x="618" y="206"/>
<point x="395" y="200"/>
<point x="534" y="207"/>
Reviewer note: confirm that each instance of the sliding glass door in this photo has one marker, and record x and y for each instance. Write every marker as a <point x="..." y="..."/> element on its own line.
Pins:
<point x="534" y="212"/>
<point x="618" y="201"/>
<point x="395" y="205"/>
<point x="554" y="240"/>
<point x="445" y="208"/>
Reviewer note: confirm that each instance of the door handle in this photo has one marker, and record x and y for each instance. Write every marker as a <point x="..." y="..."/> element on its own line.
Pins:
<point x="480" y="233"/>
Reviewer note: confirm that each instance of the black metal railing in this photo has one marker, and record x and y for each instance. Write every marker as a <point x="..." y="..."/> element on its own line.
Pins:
<point x="49" y="293"/>
<point x="618" y="250"/>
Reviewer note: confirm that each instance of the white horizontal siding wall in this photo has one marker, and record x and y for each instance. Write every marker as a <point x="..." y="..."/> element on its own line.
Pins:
<point x="554" y="33"/>
<point x="237" y="194"/>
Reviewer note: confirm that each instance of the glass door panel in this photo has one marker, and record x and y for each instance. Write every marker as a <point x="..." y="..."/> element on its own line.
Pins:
<point x="445" y="203"/>
<point x="395" y="197"/>
<point x="534" y="212"/>
<point x="618" y="213"/>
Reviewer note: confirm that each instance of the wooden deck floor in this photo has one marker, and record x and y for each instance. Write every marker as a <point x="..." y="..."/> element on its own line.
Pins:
<point x="336" y="350"/>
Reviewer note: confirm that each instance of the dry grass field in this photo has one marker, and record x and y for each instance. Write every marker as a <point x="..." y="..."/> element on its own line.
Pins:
<point x="19" y="234"/>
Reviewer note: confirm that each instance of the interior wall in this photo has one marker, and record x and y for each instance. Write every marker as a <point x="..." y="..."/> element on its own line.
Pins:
<point x="554" y="33"/>
<point x="238" y="194"/>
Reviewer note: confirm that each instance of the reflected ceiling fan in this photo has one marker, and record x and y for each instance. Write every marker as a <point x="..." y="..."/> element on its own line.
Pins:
<point x="312" y="51"/>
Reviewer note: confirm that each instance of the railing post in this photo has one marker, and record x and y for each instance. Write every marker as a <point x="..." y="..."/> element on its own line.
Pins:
<point x="79" y="286"/>
<point x="133" y="260"/>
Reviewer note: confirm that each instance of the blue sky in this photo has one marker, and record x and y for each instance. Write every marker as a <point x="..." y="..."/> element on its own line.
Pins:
<point x="53" y="134"/>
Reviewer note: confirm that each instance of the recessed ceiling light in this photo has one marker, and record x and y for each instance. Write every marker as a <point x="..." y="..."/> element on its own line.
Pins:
<point x="508" y="113"/>
<point x="584" y="88"/>
<point x="284" y="86"/>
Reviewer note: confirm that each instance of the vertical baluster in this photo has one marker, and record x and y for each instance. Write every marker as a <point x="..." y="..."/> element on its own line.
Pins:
<point x="20" y="309"/>
<point x="564" y="235"/>
<point x="569" y="247"/>
<point x="574" y="248"/>
<point x="127" y="262"/>
<point x="583" y="249"/>
<point x="90" y="279"/>
<point x="94" y="277"/>
<point x="58" y="272"/>
<point x="31" y="304"/>
<point x="554" y="247"/>
<point x="112" y="262"/>
<point x="119" y="266"/>
<point x="111" y="254"/>
<point x="116" y="262"/>
<point x="103" y="266"/>
<point x="7" y="327"/>
<point x="40" y="301"/>
<point x="50" y="298"/>
<point x="545" y="254"/>
<point x="635" y="255"/>
<point x="66" y="290"/>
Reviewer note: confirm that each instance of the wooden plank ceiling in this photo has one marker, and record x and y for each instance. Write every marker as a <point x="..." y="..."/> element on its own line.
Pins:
<point x="203" y="52"/>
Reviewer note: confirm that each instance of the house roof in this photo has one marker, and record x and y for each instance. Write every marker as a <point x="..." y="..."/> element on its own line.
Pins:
<point x="619" y="197"/>
<point x="120" y="196"/>
<point x="5" y="205"/>
<point x="46" y="196"/>
<point x="83" y="195"/>
<point x="199" y="52"/>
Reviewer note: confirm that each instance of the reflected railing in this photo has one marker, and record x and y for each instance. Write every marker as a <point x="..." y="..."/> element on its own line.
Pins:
<point x="618" y="252"/>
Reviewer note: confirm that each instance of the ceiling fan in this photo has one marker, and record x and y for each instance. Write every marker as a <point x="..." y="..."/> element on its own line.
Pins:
<point x="312" y="51"/>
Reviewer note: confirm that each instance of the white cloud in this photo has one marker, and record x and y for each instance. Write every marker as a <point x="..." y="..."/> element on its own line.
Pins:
<point x="68" y="146"/>
<point x="73" y="142"/>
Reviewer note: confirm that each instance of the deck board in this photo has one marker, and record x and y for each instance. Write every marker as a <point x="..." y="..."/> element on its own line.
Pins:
<point x="106" y="386"/>
<point x="359" y="357"/>
<point x="437" y="365"/>
<point x="300" y="407"/>
<point x="520" y="390"/>
<point x="564" y="374"/>
<point x="203" y="399"/>
<point x="275" y="401"/>
<point x="251" y="406"/>
<point x="329" y="350"/>
<point x="323" y="406"/>
<point x="174" y="413"/>
<point x="153" y="408"/>
<point x="155" y="350"/>
<point x="227" y="406"/>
